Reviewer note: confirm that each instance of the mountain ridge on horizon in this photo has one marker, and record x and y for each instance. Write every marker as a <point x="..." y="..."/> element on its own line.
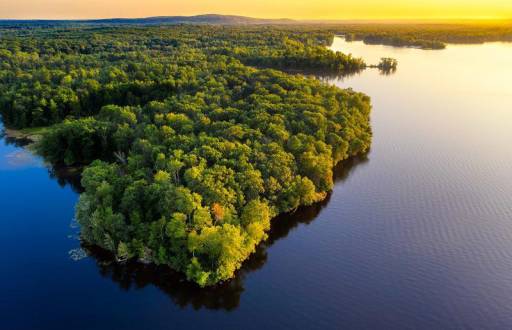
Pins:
<point x="214" y="19"/>
<point x="220" y="19"/>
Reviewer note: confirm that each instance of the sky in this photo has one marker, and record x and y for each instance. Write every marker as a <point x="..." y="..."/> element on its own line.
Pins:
<point x="297" y="9"/>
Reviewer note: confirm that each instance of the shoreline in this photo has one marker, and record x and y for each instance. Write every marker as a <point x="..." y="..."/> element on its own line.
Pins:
<point x="26" y="138"/>
<point x="33" y="135"/>
<point x="292" y="217"/>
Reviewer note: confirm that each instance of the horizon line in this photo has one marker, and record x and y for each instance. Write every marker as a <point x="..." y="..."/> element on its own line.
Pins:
<point x="362" y="19"/>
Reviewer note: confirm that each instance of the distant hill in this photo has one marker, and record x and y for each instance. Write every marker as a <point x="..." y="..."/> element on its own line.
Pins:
<point x="199" y="19"/>
<point x="159" y="20"/>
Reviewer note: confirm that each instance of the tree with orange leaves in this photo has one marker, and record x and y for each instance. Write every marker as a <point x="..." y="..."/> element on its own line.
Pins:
<point x="218" y="212"/>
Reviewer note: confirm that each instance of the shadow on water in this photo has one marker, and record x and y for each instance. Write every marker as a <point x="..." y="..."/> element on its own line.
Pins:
<point x="17" y="142"/>
<point x="224" y="296"/>
<point x="67" y="176"/>
<point x="326" y="75"/>
<point x="387" y="71"/>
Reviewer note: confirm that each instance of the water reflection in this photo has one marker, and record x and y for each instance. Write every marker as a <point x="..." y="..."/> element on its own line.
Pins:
<point x="324" y="74"/>
<point x="13" y="156"/>
<point x="17" y="142"/>
<point x="387" y="71"/>
<point x="67" y="176"/>
<point x="135" y="275"/>
<point x="328" y="78"/>
<point x="10" y="139"/>
<point x="22" y="155"/>
<point x="225" y="296"/>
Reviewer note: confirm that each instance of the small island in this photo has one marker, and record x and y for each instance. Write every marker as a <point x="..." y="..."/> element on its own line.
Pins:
<point x="387" y="65"/>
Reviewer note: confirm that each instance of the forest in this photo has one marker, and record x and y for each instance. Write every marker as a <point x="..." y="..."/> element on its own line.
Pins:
<point x="47" y="75"/>
<point x="425" y="35"/>
<point x="190" y="140"/>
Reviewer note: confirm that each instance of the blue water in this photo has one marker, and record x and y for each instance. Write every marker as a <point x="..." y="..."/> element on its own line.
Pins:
<point x="416" y="235"/>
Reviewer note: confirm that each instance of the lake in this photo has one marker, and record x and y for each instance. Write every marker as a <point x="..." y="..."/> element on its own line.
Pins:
<point x="417" y="234"/>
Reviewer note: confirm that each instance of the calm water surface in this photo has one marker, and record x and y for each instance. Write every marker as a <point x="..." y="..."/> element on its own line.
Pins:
<point x="416" y="235"/>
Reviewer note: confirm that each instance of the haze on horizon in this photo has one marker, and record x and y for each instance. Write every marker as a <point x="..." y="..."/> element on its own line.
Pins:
<point x="296" y="9"/>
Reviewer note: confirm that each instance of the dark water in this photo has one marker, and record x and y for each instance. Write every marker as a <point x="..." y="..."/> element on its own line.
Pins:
<point x="417" y="235"/>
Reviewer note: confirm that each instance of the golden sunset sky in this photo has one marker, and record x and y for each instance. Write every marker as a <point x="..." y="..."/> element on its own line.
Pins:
<point x="298" y="9"/>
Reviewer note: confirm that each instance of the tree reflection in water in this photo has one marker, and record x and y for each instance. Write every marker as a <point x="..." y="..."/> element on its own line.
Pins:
<point x="67" y="176"/>
<point x="64" y="175"/>
<point x="225" y="296"/>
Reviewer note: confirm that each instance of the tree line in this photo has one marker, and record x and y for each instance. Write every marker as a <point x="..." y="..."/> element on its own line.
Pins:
<point x="425" y="35"/>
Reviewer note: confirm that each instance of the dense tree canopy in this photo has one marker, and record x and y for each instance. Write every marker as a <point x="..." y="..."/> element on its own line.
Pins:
<point x="190" y="151"/>
<point x="47" y="75"/>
